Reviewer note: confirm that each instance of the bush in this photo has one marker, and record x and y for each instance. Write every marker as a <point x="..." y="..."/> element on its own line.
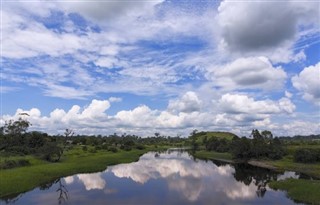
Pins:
<point x="51" y="152"/>
<point x="85" y="148"/>
<point x="113" y="149"/>
<point x="140" y="147"/>
<point x="9" y="164"/>
<point x="92" y="150"/>
<point x="105" y="147"/>
<point x="305" y="156"/>
<point x="21" y="150"/>
<point x="218" y="145"/>
<point x="98" y="147"/>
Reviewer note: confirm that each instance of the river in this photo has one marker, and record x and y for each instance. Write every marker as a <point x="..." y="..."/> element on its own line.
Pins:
<point x="172" y="177"/>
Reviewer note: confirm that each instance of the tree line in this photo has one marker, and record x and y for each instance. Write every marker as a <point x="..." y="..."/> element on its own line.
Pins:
<point x="16" y="140"/>
<point x="259" y="145"/>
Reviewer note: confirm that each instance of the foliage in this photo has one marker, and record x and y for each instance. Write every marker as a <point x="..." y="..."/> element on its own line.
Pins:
<point x="8" y="164"/>
<point x="17" y="127"/>
<point x="307" y="155"/>
<point x="51" y="152"/>
<point x="203" y="136"/>
<point x="85" y="148"/>
<point x="113" y="149"/>
<point x="216" y="144"/>
<point x="140" y="147"/>
<point x="241" y="148"/>
<point x="260" y="146"/>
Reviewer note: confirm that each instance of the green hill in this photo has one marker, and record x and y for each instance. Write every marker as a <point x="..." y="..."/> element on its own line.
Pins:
<point x="226" y="135"/>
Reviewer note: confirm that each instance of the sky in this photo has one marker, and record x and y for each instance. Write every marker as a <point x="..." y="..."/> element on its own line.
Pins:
<point x="166" y="66"/>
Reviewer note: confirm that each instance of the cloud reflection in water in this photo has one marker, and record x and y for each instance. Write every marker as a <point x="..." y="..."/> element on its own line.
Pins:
<point x="185" y="176"/>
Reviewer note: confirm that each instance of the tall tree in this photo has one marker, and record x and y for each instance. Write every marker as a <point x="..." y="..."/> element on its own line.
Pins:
<point x="17" y="127"/>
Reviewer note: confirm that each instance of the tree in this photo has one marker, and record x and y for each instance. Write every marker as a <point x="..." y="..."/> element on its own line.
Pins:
<point x="36" y="139"/>
<point x="17" y="127"/>
<point x="67" y="133"/>
<point x="194" y="132"/>
<point x="255" y="134"/>
<point x="267" y="135"/>
<point x="241" y="148"/>
<point x="276" y="150"/>
<point x="51" y="152"/>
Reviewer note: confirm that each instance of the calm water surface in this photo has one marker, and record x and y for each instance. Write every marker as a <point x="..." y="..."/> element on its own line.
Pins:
<point x="163" y="178"/>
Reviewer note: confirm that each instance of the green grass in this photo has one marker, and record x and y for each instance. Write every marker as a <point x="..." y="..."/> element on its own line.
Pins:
<point x="287" y="163"/>
<point x="213" y="155"/>
<point x="225" y="135"/>
<point x="22" y="179"/>
<point x="291" y="149"/>
<point x="300" y="190"/>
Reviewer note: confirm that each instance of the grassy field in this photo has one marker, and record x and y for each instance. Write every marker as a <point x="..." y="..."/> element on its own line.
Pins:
<point x="22" y="179"/>
<point x="299" y="190"/>
<point x="291" y="149"/>
<point x="287" y="163"/>
<point x="225" y="135"/>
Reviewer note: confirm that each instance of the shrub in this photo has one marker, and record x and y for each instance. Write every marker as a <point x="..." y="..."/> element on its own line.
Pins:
<point x="113" y="149"/>
<point x="21" y="150"/>
<point x="105" y="147"/>
<point x="125" y="147"/>
<point x="9" y="164"/>
<point x="305" y="156"/>
<point x="140" y="147"/>
<point x="98" y="147"/>
<point x="23" y="162"/>
<point x="92" y="150"/>
<point x="51" y="152"/>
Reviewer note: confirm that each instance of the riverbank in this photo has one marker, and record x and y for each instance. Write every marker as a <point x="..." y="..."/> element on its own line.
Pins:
<point x="284" y="164"/>
<point x="299" y="190"/>
<point x="206" y="155"/>
<point x="22" y="179"/>
<point x="287" y="164"/>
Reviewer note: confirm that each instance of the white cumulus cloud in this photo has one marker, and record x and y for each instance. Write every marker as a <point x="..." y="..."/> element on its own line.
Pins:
<point x="248" y="73"/>
<point x="308" y="83"/>
<point x="189" y="102"/>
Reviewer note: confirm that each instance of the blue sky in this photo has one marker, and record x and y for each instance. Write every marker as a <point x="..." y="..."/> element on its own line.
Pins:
<point x="141" y="67"/>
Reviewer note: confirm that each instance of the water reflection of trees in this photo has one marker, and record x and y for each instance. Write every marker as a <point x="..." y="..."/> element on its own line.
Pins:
<point x="11" y="199"/>
<point x="62" y="190"/>
<point x="248" y="174"/>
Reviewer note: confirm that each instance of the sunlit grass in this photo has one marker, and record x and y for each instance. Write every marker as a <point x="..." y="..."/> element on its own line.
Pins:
<point x="287" y="163"/>
<point x="300" y="190"/>
<point x="213" y="155"/>
<point x="22" y="179"/>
